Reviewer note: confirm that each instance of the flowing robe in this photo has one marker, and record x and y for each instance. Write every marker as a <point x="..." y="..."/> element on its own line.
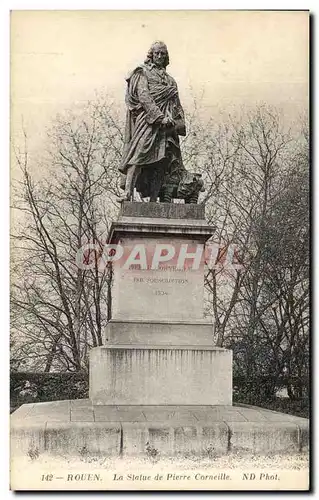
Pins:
<point x="151" y="95"/>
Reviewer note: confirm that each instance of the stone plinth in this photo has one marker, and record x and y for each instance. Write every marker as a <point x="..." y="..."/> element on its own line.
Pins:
<point x="163" y="210"/>
<point x="158" y="333"/>
<point x="160" y="375"/>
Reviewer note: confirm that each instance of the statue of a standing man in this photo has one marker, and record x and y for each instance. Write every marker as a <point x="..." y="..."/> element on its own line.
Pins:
<point x="154" y="121"/>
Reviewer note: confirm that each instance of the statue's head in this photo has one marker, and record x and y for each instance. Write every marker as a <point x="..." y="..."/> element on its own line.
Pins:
<point x="158" y="54"/>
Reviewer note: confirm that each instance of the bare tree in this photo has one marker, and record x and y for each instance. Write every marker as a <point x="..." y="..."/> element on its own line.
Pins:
<point x="256" y="169"/>
<point x="62" y="308"/>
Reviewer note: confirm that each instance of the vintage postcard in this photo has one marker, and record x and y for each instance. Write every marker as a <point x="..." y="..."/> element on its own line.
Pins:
<point x="159" y="250"/>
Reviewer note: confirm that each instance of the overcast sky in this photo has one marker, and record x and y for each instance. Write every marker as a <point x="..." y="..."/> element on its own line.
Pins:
<point x="60" y="58"/>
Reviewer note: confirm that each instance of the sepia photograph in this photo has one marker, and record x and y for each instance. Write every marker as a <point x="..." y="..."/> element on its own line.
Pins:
<point x="159" y="250"/>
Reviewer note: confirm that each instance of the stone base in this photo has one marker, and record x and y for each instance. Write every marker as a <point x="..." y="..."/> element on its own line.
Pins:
<point x="68" y="427"/>
<point x="160" y="375"/>
<point x="158" y="333"/>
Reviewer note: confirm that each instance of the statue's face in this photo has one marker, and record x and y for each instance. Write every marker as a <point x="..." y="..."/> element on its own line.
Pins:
<point x="159" y="55"/>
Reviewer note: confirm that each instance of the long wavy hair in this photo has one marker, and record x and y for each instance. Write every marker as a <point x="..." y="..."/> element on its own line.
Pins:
<point x="149" y="57"/>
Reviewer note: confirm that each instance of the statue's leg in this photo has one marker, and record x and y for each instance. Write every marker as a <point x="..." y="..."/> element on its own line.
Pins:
<point x="156" y="181"/>
<point x="153" y="185"/>
<point x="131" y="176"/>
<point x="135" y="174"/>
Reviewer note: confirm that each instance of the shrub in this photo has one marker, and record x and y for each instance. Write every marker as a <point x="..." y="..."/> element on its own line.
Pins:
<point x="36" y="387"/>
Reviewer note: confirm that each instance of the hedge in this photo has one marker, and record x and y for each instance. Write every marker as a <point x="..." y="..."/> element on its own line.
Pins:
<point x="41" y="387"/>
<point x="36" y="387"/>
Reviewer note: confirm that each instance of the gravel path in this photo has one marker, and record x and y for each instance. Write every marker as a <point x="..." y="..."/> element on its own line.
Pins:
<point x="233" y="461"/>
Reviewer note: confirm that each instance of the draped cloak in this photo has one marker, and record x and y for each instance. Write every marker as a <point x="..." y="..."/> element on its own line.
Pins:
<point x="151" y="95"/>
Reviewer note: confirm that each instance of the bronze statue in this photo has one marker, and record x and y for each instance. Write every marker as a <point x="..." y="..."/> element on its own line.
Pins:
<point x="152" y="159"/>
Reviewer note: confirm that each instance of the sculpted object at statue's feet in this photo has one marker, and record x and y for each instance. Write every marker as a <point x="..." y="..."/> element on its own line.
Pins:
<point x="125" y="197"/>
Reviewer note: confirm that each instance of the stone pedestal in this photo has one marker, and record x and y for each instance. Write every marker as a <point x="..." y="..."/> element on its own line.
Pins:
<point x="160" y="375"/>
<point x="158" y="347"/>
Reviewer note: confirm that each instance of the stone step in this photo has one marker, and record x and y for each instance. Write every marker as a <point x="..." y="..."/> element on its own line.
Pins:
<point x="128" y="430"/>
